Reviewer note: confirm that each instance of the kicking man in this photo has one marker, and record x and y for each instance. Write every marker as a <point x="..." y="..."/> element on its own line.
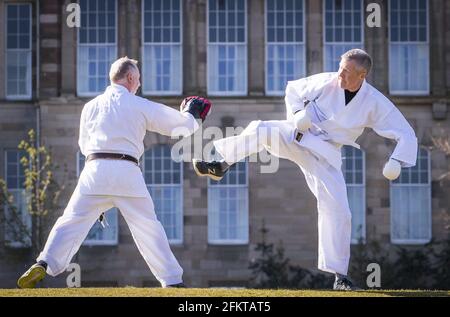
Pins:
<point x="325" y="112"/>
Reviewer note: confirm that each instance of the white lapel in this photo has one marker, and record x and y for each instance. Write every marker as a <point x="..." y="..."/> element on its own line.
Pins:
<point x="355" y="102"/>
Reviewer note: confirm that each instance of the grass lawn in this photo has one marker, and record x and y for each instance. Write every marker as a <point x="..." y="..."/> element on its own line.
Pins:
<point x="210" y="292"/>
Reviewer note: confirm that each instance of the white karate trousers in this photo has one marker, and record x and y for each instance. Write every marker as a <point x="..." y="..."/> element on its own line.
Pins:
<point x="83" y="210"/>
<point x="325" y="182"/>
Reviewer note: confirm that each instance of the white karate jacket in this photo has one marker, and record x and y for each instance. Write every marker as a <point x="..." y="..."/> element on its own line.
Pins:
<point x="341" y="124"/>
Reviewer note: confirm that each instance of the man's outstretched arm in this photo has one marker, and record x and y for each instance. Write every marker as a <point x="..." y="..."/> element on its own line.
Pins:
<point x="394" y="126"/>
<point x="168" y="121"/>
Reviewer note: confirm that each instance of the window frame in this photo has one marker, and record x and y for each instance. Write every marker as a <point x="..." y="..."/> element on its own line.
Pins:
<point x="247" y="206"/>
<point x="181" y="185"/>
<point x="364" y="200"/>
<point x="23" y="212"/>
<point x="29" y="78"/>
<point x="427" y="43"/>
<point x="429" y="213"/>
<point x="324" y="27"/>
<point x="180" y="44"/>
<point x="275" y="93"/>
<point x="218" y="93"/>
<point x="79" y="62"/>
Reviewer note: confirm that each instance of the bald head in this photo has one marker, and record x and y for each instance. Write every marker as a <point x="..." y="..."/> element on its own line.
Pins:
<point x="125" y="72"/>
<point x="121" y="67"/>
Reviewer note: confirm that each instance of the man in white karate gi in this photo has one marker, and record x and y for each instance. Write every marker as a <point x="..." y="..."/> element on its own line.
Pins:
<point x="112" y="130"/>
<point x="324" y="112"/>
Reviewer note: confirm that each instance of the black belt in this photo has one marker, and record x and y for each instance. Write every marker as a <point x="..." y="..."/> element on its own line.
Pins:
<point x="298" y="136"/>
<point x="113" y="156"/>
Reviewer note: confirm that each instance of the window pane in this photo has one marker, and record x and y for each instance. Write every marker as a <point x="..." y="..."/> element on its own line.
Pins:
<point x="108" y="235"/>
<point x="352" y="166"/>
<point x="357" y="207"/>
<point x="343" y="22"/>
<point x="409" y="67"/>
<point x="161" y="21"/>
<point x="410" y="203"/>
<point x="227" y="73"/>
<point x="284" y="63"/>
<point x="162" y="72"/>
<point x="352" y="169"/>
<point x="99" y="30"/>
<point x="164" y="183"/>
<point x="19" y="73"/>
<point x="228" y="209"/>
<point x="18" y="218"/>
<point x="288" y="27"/>
<point x="411" y="20"/>
<point x="410" y="213"/>
<point x="333" y="54"/>
<point x="18" y="51"/>
<point x="97" y="15"/>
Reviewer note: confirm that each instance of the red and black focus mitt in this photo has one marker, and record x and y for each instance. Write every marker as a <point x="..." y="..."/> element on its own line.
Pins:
<point x="198" y="106"/>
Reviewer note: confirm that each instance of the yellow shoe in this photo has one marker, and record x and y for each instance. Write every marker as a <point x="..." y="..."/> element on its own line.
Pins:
<point x="30" y="278"/>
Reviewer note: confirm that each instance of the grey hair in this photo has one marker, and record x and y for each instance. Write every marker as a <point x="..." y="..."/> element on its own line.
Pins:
<point x="361" y="58"/>
<point x="121" y="67"/>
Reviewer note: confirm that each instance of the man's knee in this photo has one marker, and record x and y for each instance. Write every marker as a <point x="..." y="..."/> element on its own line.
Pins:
<point x="254" y="125"/>
<point x="335" y="211"/>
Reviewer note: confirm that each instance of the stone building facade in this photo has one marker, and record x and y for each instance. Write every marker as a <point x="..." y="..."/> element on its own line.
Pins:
<point x="282" y="200"/>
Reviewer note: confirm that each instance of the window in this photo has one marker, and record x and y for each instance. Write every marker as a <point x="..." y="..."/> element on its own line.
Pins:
<point x="353" y="168"/>
<point x="228" y="207"/>
<point x="409" y="47"/>
<point x="162" y="37"/>
<point x="99" y="235"/>
<point x="97" y="45"/>
<point x="164" y="179"/>
<point x="285" y="43"/>
<point x="227" y="47"/>
<point x="17" y="219"/>
<point x="411" y="203"/>
<point x="343" y="30"/>
<point x="18" y="51"/>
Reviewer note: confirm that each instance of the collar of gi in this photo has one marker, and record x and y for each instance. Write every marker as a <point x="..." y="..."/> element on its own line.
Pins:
<point x="118" y="87"/>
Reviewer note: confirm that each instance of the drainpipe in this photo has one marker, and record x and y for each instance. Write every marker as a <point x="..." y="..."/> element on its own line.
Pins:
<point x="38" y="75"/>
<point x="36" y="219"/>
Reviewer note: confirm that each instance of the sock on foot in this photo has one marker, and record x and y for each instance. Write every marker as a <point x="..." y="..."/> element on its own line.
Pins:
<point x="43" y="264"/>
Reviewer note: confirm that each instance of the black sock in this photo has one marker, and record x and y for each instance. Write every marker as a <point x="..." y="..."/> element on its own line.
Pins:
<point x="340" y="276"/>
<point x="218" y="158"/>
<point x="43" y="264"/>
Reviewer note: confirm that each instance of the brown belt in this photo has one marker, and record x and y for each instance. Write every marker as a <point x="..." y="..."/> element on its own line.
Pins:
<point x="298" y="136"/>
<point x="112" y="156"/>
